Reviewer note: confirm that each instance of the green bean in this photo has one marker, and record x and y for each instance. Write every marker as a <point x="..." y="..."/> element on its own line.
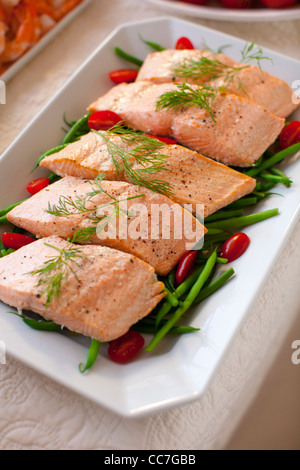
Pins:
<point x="73" y="132"/>
<point x="179" y="292"/>
<point x="245" y="220"/>
<point x="175" y="330"/>
<point x="3" y="253"/>
<point x="53" y="177"/>
<point x="202" y="256"/>
<point x="92" y="356"/>
<point x="41" y="325"/>
<point x="3" y="220"/>
<point x="48" y="153"/>
<point x="276" y="171"/>
<point x="243" y="202"/>
<point x="154" y="45"/>
<point x="214" y="241"/>
<point x="213" y="231"/>
<point x="275" y="178"/>
<point x="171" y="298"/>
<point x="214" y="285"/>
<point x="128" y="57"/>
<point x="277" y="158"/>
<point x="220" y="215"/>
<point x="171" y="279"/>
<point x="186" y="304"/>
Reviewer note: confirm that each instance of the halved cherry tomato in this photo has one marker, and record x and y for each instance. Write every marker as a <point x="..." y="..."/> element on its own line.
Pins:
<point x="126" y="347"/>
<point x="166" y="140"/>
<point x="103" y="120"/>
<point x="15" y="240"/>
<point x="238" y="4"/>
<point x="235" y="246"/>
<point x="36" y="186"/>
<point x="278" y="3"/>
<point x="185" y="266"/>
<point x="123" y="75"/>
<point x="290" y="135"/>
<point x="184" y="43"/>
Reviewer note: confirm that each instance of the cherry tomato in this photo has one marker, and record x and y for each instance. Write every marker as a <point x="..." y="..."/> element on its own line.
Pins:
<point x="185" y="266"/>
<point x="16" y="240"/>
<point x="184" y="43"/>
<point x="123" y="75"/>
<point x="290" y="135"/>
<point x="103" y="120"/>
<point x="278" y="3"/>
<point x="166" y="140"/>
<point x="36" y="186"/>
<point x="235" y="246"/>
<point x="238" y="4"/>
<point x="126" y="347"/>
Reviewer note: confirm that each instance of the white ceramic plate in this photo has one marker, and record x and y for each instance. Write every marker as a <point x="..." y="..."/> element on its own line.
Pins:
<point x="44" y="41"/>
<point x="181" y="369"/>
<point x="215" y="11"/>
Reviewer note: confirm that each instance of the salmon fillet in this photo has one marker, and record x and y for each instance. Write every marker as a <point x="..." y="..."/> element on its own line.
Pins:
<point x="250" y="82"/>
<point x="241" y="133"/>
<point x="194" y="178"/>
<point x="158" y="67"/>
<point x="145" y="233"/>
<point x="108" y="292"/>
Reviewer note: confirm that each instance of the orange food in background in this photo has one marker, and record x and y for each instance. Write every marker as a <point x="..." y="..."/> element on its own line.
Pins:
<point x="24" y="22"/>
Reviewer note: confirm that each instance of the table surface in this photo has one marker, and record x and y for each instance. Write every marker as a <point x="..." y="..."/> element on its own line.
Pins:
<point x="36" y="413"/>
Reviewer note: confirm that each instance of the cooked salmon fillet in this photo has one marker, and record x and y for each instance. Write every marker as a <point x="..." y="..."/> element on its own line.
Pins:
<point x="107" y="292"/>
<point x="194" y="178"/>
<point x="141" y="231"/>
<point x="239" y="134"/>
<point x="159" y="67"/>
<point x="250" y="81"/>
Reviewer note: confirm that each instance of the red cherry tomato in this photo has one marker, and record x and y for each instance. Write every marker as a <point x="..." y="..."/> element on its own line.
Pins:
<point x="103" y="120"/>
<point x="290" y="135"/>
<point x="278" y="3"/>
<point x="36" y="186"/>
<point x="235" y="246"/>
<point x="123" y="75"/>
<point x="184" y="43"/>
<point x="185" y="266"/>
<point x="238" y="4"/>
<point x="15" y="240"/>
<point x="126" y="347"/>
<point x="166" y="140"/>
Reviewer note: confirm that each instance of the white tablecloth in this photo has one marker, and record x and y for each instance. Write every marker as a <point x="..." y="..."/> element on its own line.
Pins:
<point x="36" y="413"/>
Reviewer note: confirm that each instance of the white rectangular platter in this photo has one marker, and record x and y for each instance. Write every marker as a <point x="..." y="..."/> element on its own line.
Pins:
<point x="181" y="369"/>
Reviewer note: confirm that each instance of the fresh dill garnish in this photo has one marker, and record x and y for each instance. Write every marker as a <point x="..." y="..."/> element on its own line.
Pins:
<point x="211" y="68"/>
<point x="186" y="96"/>
<point x="57" y="269"/>
<point x="85" y="205"/>
<point x="141" y="159"/>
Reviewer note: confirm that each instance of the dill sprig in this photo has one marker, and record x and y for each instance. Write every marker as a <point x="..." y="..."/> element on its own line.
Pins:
<point x="211" y="68"/>
<point x="140" y="160"/>
<point x="56" y="270"/>
<point x="187" y="96"/>
<point x="68" y="206"/>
